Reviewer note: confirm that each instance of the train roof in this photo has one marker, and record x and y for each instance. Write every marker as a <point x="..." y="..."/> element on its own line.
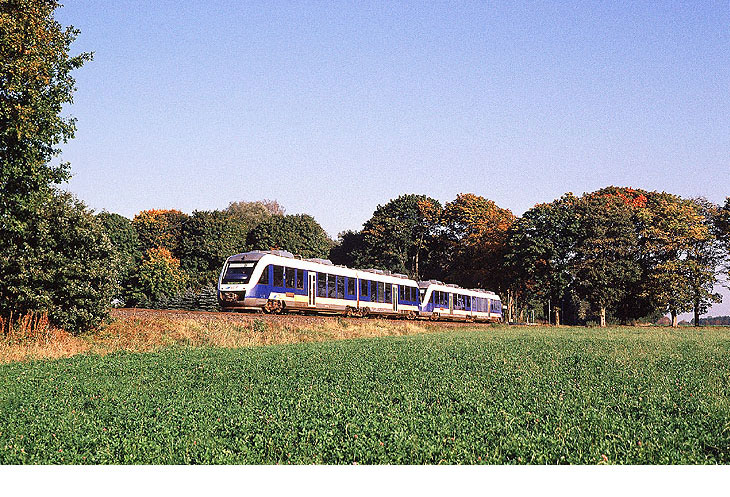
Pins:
<point x="440" y="285"/>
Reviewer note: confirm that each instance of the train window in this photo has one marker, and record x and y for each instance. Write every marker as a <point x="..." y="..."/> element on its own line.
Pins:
<point x="300" y="279"/>
<point x="380" y="291"/>
<point x="331" y="289"/>
<point x="289" y="277"/>
<point x="351" y="286"/>
<point x="401" y="297"/>
<point x="278" y="276"/>
<point x="468" y="302"/>
<point x="238" y="272"/>
<point x="321" y="285"/>
<point x="340" y="287"/>
<point x="364" y="290"/>
<point x="388" y="289"/>
<point x="414" y="294"/>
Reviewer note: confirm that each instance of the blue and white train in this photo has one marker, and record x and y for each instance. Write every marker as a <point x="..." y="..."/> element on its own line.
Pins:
<point x="278" y="282"/>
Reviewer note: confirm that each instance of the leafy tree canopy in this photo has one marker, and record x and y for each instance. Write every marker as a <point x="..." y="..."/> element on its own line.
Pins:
<point x="160" y="228"/>
<point x="207" y="239"/>
<point x="476" y="230"/>
<point x="299" y="234"/>
<point x="397" y="236"/>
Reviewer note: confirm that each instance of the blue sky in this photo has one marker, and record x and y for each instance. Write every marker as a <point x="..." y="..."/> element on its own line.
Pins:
<point x="332" y="108"/>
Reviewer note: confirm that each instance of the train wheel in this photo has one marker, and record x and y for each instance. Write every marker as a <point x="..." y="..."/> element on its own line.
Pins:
<point x="269" y="307"/>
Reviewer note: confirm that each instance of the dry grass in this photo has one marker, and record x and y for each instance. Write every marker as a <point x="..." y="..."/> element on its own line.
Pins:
<point x="147" y="331"/>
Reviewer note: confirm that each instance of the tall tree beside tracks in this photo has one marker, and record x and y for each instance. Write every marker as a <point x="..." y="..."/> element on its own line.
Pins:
<point x="606" y="252"/>
<point x="44" y="234"/>
<point x="679" y="236"/>
<point x="541" y="252"/>
<point x="398" y="235"/>
<point x="476" y="230"/>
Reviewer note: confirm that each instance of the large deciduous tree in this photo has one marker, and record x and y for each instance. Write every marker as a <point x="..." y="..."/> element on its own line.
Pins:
<point x="606" y="253"/>
<point x="541" y="252"/>
<point x="398" y="235"/>
<point x="475" y="230"/>
<point x="54" y="256"/>
<point x="679" y="236"/>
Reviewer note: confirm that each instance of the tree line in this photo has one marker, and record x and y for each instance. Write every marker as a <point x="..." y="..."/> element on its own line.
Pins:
<point x="617" y="254"/>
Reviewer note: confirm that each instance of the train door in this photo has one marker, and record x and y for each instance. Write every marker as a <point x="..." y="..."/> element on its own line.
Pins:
<point x="395" y="298"/>
<point x="312" y="288"/>
<point x="451" y="303"/>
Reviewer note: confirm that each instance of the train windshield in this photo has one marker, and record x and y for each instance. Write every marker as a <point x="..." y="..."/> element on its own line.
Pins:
<point x="238" y="272"/>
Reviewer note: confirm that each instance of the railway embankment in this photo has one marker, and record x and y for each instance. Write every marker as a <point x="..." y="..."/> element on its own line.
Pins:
<point x="150" y="330"/>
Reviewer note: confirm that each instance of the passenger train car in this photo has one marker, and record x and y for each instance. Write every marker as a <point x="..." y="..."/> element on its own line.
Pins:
<point x="277" y="281"/>
<point x="442" y="301"/>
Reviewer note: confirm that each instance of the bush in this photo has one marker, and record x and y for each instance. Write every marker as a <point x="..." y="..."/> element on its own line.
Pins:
<point x="62" y="267"/>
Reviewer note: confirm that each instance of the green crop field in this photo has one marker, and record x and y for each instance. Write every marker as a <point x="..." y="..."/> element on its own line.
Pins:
<point x="483" y="395"/>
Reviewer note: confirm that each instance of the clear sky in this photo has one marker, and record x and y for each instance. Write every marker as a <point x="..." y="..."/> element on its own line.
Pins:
<point x="332" y="108"/>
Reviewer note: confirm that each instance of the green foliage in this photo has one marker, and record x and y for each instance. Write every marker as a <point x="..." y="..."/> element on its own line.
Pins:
<point x="126" y="248"/>
<point x="722" y="225"/>
<point x="501" y="395"/>
<point x="398" y="235"/>
<point x="159" y="277"/>
<point x="540" y="252"/>
<point x="61" y="268"/>
<point x="207" y="239"/>
<point x="53" y="254"/>
<point x="299" y="234"/>
<point x="252" y="214"/>
<point x="349" y="249"/>
<point x="35" y="83"/>
<point x="606" y="252"/>
<point x="679" y="237"/>
<point x="203" y="299"/>
<point x="160" y="228"/>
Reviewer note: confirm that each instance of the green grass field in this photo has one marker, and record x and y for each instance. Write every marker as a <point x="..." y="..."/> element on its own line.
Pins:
<point x="486" y="395"/>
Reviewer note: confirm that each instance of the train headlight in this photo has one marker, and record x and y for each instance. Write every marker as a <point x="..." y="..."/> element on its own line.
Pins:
<point x="229" y="297"/>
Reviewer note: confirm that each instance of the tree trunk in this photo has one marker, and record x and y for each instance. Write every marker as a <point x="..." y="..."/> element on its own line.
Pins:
<point x="674" y="319"/>
<point x="697" y="314"/>
<point x="557" y="317"/>
<point x="603" y="317"/>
